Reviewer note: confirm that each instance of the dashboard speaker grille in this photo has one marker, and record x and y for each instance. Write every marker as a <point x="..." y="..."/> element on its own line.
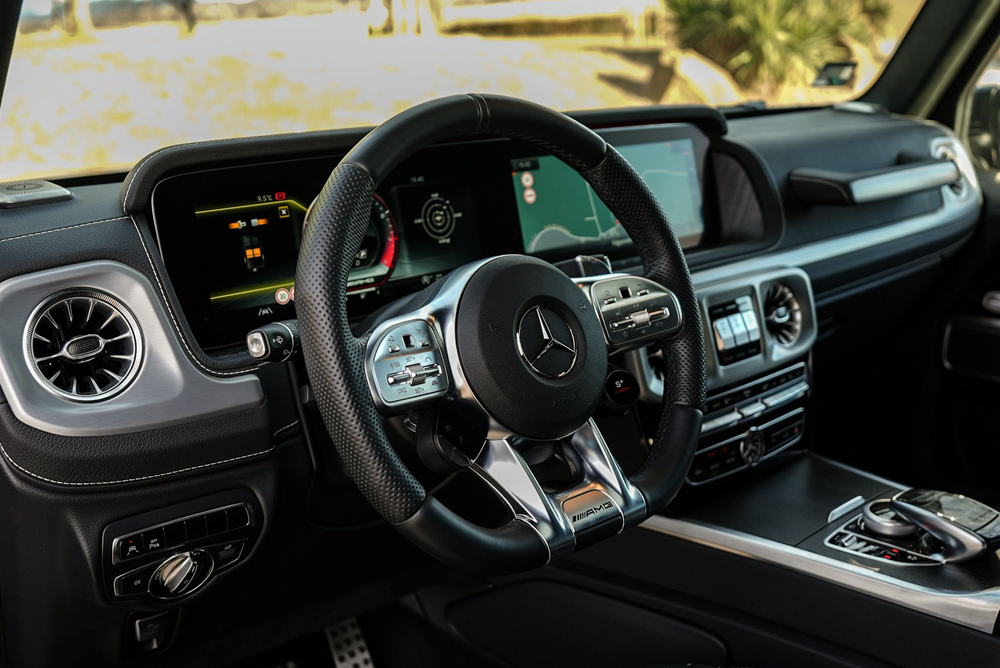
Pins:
<point x="782" y="314"/>
<point x="83" y="345"/>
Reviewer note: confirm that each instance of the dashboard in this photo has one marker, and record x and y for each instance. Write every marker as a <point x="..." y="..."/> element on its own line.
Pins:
<point x="230" y="237"/>
<point x="205" y="238"/>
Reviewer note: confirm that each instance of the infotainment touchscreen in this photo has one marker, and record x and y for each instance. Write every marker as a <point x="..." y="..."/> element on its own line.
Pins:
<point x="559" y="212"/>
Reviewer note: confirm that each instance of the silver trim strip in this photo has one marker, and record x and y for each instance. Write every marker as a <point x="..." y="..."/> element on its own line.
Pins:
<point x="844" y="508"/>
<point x="976" y="610"/>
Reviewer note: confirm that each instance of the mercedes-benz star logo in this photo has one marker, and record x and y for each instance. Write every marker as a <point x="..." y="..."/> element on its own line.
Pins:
<point x="546" y="342"/>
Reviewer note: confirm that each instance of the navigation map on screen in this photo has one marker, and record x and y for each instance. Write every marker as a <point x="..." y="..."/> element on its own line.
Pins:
<point x="559" y="211"/>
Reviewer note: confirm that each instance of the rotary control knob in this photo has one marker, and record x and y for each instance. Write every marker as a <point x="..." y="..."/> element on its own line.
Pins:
<point x="879" y="517"/>
<point x="752" y="446"/>
<point x="181" y="574"/>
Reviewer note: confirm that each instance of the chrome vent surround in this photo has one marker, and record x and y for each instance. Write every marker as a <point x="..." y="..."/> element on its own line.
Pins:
<point x="83" y="345"/>
<point x="782" y="314"/>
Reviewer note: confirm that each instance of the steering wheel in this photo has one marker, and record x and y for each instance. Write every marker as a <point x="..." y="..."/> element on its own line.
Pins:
<point x="511" y="343"/>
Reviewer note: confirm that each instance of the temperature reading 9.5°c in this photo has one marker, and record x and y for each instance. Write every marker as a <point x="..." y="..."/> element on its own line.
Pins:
<point x="272" y="197"/>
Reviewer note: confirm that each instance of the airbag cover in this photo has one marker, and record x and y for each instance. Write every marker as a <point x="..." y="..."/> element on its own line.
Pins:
<point x="531" y="347"/>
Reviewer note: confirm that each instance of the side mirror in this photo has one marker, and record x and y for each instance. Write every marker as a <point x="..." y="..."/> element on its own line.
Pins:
<point x="984" y="126"/>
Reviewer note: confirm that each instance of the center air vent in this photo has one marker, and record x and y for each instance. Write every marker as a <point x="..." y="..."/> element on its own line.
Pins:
<point x="83" y="345"/>
<point x="782" y="314"/>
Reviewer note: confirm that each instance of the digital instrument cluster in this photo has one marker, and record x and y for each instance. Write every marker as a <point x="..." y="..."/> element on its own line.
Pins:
<point x="230" y="237"/>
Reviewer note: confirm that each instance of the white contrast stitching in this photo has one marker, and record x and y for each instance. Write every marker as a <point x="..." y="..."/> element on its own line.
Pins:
<point x="145" y="477"/>
<point x="170" y="312"/>
<point x="60" y="229"/>
<point x="142" y="164"/>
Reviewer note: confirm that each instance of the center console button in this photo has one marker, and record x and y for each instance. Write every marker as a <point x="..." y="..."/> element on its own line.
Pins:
<point x="738" y="328"/>
<point x="721" y="421"/>
<point x="752" y="409"/>
<point x="724" y="339"/>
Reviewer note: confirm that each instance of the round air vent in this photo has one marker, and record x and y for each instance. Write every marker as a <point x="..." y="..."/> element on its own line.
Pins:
<point x="782" y="314"/>
<point x="83" y="345"/>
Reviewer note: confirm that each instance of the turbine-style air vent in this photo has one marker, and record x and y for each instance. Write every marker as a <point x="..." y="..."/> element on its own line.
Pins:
<point x="83" y="345"/>
<point x="782" y="314"/>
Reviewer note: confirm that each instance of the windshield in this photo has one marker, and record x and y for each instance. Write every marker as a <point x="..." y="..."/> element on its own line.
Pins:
<point x="96" y="84"/>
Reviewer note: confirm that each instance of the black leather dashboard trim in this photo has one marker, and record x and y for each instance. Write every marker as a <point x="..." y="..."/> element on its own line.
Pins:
<point x="137" y="457"/>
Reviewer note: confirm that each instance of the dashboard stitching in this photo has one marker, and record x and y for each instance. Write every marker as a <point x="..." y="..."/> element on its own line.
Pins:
<point x="810" y="179"/>
<point x="135" y="176"/>
<point x="61" y="229"/>
<point x="173" y="319"/>
<point x="145" y="477"/>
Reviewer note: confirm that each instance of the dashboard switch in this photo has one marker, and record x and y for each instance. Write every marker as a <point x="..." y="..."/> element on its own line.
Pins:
<point x="154" y="540"/>
<point x="216" y="522"/>
<point x="227" y="553"/>
<point x="196" y="527"/>
<point x="135" y="583"/>
<point x="130" y="547"/>
<point x="724" y="339"/>
<point x="150" y="632"/>
<point x="739" y="329"/>
<point x="174" y="534"/>
<point x="750" y="321"/>
<point x="238" y="517"/>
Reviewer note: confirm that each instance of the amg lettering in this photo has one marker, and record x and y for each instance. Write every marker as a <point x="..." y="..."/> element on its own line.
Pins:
<point x="607" y="505"/>
<point x="566" y="400"/>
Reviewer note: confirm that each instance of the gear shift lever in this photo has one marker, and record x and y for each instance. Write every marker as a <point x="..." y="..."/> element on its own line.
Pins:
<point x="965" y="526"/>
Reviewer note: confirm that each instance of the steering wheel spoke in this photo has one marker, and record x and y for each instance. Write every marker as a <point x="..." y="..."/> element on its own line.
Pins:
<point x="601" y="503"/>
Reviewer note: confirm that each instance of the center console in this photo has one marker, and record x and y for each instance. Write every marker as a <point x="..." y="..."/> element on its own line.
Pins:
<point x="759" y="330"/>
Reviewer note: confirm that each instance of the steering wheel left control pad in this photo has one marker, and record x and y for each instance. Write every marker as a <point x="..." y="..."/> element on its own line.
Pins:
<point x="407" y="364"/>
